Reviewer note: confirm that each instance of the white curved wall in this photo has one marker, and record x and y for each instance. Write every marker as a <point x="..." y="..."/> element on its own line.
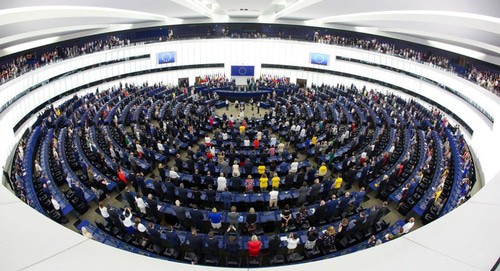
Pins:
<point x="446" y="243"/>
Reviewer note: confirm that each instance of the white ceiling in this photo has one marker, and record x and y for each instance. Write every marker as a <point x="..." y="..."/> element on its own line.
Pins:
<point x="473" y="25"/>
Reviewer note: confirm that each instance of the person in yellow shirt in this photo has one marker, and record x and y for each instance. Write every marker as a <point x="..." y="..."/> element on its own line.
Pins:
<point x="437" y="194"/>
<point x="275" y="181"/>
<point x="261" y="169"/>
<point x="322" y="171"/>
<point x="337" y="184"/>
<point x="242" y="130"/>
<point x="313" y="140"/>
<point x="263" y="182"/>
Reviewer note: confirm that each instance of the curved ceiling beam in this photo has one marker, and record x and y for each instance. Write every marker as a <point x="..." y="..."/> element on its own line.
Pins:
<point x="461" y="19"/>
<point x="26" y="14"/>
<point x="44" y="32"/>
<point x="196" y="6"/>
<point x="294" y="7"/>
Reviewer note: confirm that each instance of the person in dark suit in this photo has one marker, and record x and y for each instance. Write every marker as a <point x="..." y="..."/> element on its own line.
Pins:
<point x="274" y="245"/>
<point x="170" y="187"/>
<point x="382" y="211"/>
<point x="314" y="194"/>
<point x="236" y="183"/>
<point x="331" y="207"/>
<point x="320" y="213"/>
<point x="226" y="198"/>
<point x="212" y="244"/>
<point x="327" y="189"/>
<point x="196" y="193"/>
<point x="382" y="186"/>
<point x="196" y="177"/>
<point x="302" y="194"/>
<point x="289" y="179"/>
<point x="152" y="209"/>
<point x="154" y="236"/>
<point x="139" y="179"/>
<point x="248" y="167"/>
<point x="129" y="197"/>
<point x="178" y="162"/>
<point x="195" y="243"/>
<point x="196" y="216"/>
<point x="343" y="202"/>
<point x="180" y="213"/>
<point x="173" y="239"/>
<point x="79" y="193"/>
<point x="183" y="193"/>
<point x="232" y="241"/>
<point x="209" y="180"/>
<point x="210" y="193"/>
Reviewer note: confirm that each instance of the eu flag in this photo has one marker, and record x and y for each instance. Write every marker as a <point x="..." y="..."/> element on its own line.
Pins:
<point x="166" y="57"/>
<point x="319" y="59"/>
<point x="242" y="70"/>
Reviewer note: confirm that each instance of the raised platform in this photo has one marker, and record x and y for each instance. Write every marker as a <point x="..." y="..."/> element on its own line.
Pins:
<point x="243" y="96"/>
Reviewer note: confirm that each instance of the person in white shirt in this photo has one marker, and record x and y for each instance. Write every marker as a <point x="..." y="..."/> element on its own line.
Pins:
<point x="221" y="183"/>
<point x="294" y="166"/>
<point x="56" y="204"/>
<point x="140" y="203"/>
<point x="236" y="169"/>
<point x="391" y="150"/>
<point x="86" y="233"/>
<point x="273" y="141"/>
<point x="302" y="133"/>
<point x="293" y="128"/>
<point x="224" y="135"/>
<point x="281" y="148"/>
<point x="127" y="220"/>
<point x="292" y="241"/>
<point x="139" y="226"/>
<point x="259" y="135"/>
<point x="161" y="148"/>
<point x="104" y="212"/>
<point x="246" y="142"/>
<point x="273" y="198"/>
<point x="173" y="174"/>
<point x="408" y="226"/>
<point x="38" y="168"/>
<point x="297" y="128"/>
<point x="207" y="141"/>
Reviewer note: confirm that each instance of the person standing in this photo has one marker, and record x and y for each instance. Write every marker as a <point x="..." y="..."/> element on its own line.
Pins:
<point x="215" y="219"/>
<point x="337" y="184"/>
<point x="292" y="242"/>
<point x="273" y="198"/>
<point x="263" y="182"/>
<point x="254" y="246"/>
<point x="233" y="217"/>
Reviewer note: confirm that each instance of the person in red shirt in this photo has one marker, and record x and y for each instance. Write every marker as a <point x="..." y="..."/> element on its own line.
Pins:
<point x="230" y="124"/>
<point x="256" y="144"/>
<point x="121" y="176"/>
<point x="254" y="246"/>
<point x="211" y="120"/>
<point x="209" y="155"/>
<point x="400" y="169"/>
